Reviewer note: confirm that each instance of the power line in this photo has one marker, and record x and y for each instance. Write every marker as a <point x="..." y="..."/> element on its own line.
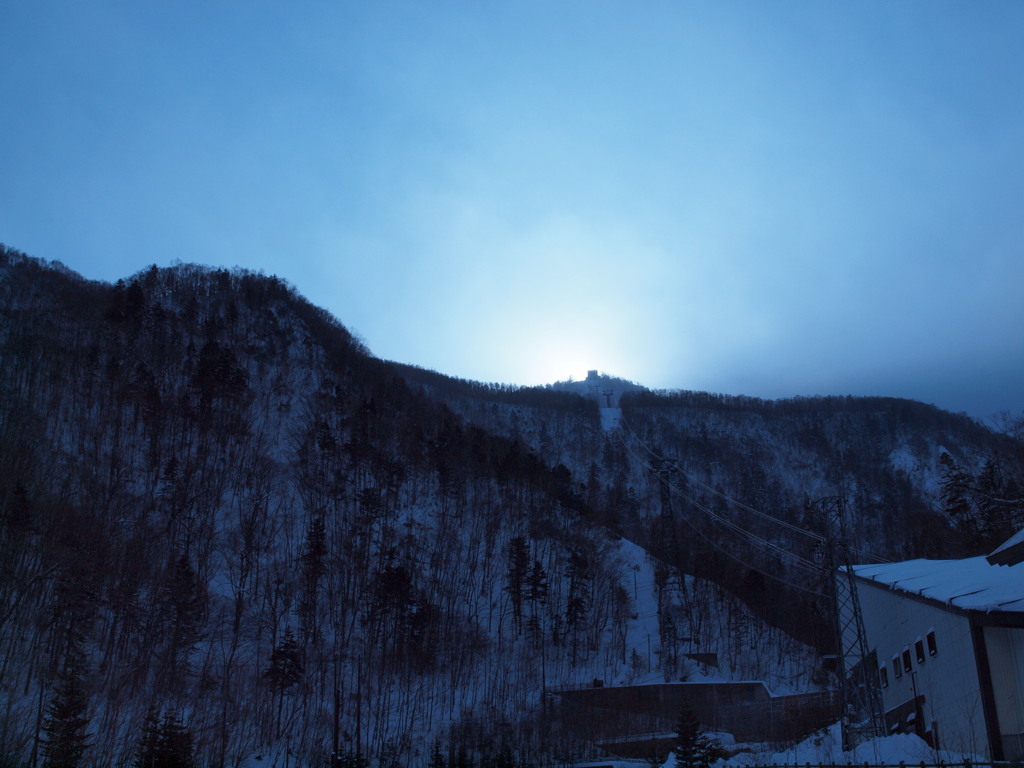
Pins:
<point x="732" y="556"/>
<point x="695" y="481"/>
<point x="739" y="529"/>
<point x="800" y="561"/>
<point x="860" y="692"/>
<point x="716" y="492"/>
<point x="663" y="478"/>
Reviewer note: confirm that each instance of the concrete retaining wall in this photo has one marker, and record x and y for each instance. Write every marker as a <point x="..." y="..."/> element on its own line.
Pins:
<point x="747" y="710"/>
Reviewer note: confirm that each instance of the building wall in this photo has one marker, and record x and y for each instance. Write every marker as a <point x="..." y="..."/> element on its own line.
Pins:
<point x="747" y="710"/>
<point x="1006" y="660"/>
<point x="948" y="680"/>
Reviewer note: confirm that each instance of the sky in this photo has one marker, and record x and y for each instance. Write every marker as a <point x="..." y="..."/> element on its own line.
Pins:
<point x="768" y="199"/>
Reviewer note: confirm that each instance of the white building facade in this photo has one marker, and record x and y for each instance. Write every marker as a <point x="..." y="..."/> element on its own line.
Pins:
<point x="948" y="641"/>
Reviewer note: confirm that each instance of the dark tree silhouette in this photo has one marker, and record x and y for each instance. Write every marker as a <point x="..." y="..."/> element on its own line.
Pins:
<point x="312" y="571"/>
<point x="286" y="669"/>
<point x="166" y="743"/>
<point x="694" y="748"/>
<point x="149" y="742"/>
<point x="517" y="575"/>
<point x="65" y="737"/>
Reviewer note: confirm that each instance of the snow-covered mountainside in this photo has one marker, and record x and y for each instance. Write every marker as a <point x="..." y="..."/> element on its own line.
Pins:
<point x="221" y="513"/>
<point x="914" y="480"/>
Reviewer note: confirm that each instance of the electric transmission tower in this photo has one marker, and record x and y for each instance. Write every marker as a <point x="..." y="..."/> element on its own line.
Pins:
<point x="668" y="575"/>
<point x="664" y="469"/>
<point x="856" y="666"/>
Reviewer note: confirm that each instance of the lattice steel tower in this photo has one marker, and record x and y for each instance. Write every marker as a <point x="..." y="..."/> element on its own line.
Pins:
<point x="857" y="666"/>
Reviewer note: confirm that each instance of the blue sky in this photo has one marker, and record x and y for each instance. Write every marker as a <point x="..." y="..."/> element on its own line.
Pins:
<point x="770" y="199"/>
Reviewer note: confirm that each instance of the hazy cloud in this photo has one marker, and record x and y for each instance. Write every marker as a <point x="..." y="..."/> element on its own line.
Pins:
<point x="804" y="199"/>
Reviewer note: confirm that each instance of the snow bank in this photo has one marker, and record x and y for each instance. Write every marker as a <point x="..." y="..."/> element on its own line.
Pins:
<point x="825" y="747"/>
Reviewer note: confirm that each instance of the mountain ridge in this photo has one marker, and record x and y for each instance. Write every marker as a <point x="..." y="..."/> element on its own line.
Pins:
<point x="197" y="464"/>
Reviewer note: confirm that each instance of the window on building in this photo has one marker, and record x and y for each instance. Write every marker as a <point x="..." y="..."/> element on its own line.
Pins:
<point x="897" y="670"/>
<point x="907" y="666"/>
<point x="919" y="650"/>
<point x="883" y="676"/>
<point x="932" y="648"/>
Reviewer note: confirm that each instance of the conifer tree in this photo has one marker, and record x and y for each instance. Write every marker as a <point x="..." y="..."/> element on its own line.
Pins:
<point x="286" y="666"/>
<point x="65" y="727"/>
<point x="165" y="743"/>
<point x="285" y="669"/>
<point x="313" y="568"/>
<point x="578" y="602"/>
<point x="186" y="600"/>
<point x="537" y="594"/>
<point x="517" y="575"/>
<point x="538" y="591"/>
<point x="176" y="744"/>
<point x="149" y="742"/>
<point x="437" y="758"/>
<point x="694" y="748"/>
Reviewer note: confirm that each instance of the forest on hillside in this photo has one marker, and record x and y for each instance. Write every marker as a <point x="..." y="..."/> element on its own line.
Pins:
<point x="226" y="526"/>
<point x="218" y="506"/>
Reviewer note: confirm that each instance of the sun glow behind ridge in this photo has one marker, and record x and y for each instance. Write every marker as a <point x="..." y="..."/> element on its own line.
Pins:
<point x="562" y="355"/>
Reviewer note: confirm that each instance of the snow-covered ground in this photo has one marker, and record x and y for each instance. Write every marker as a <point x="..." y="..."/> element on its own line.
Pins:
<point x="824" y="748"/>
<point x="610" y="418"/>
<point x="717" y="622"/>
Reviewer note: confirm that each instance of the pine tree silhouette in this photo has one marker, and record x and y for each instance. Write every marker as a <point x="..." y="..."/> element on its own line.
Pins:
<point x="694" y="748"/>
<point x="437" y="758"/>
<point x="149" y="743"/>
<point x="65" y="739"/>
<point x="285" y="669"/>
<point x="165" y="743"/>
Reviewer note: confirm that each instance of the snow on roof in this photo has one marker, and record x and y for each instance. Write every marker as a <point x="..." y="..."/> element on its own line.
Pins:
<point x="1010" y="552"/>
<point x="970" y="584"/>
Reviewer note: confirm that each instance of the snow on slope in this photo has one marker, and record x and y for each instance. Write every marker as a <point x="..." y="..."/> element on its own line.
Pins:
<point x="747" y="648"/>
<point x="610" y="419"/>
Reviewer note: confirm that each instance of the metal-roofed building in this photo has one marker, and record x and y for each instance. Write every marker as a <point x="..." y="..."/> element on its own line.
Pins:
<point x="948" y="640"/>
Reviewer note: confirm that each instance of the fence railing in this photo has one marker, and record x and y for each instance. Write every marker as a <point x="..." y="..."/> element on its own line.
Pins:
<point x="798" y="764"/>
<point x="901" y="764"/>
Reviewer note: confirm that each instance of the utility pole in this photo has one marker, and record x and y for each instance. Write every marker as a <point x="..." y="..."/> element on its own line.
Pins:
<point x="608" y="396"/>
<point x="856" y="666"/>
